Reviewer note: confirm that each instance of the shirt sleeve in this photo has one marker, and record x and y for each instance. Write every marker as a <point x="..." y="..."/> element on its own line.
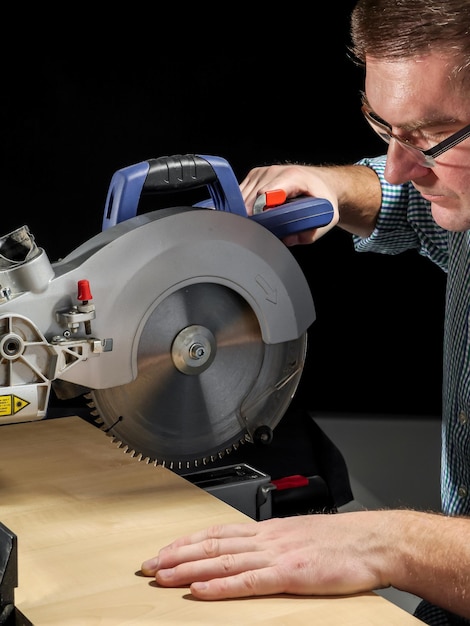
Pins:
<point x="404" y="222"/>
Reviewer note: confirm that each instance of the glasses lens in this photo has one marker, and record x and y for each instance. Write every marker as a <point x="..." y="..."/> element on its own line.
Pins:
<point x="381" y="129"/>
<point x="385" y="133"/>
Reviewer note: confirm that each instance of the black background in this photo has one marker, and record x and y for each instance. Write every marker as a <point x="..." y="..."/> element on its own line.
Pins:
<point x="84" y="96"/>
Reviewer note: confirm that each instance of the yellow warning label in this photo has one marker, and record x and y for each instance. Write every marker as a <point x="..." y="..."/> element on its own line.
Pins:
<point x="10" y="404"/>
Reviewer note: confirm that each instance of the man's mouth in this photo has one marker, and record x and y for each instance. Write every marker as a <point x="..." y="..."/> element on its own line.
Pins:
<point x="432" y="197"/>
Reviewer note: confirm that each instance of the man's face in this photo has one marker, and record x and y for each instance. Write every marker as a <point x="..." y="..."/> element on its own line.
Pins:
<point x="417" y="99"/>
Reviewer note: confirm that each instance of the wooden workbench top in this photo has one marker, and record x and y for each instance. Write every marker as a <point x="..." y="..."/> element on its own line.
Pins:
<point x="86" y="515"/>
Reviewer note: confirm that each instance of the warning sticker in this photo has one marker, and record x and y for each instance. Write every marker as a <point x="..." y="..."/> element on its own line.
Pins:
<point x="11" y="404"/>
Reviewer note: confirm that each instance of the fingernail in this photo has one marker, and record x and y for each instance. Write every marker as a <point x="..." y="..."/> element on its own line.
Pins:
<point x="151" y="565"/>
<point x="199" y="586"/>
<point x="166" y="573"/>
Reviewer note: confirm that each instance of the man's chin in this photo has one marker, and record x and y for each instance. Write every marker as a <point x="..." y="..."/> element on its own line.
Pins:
<point x="452" y="219"/>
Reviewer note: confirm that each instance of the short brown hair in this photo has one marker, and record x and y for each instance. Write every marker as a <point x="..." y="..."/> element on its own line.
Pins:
<point x="394" y="29"/>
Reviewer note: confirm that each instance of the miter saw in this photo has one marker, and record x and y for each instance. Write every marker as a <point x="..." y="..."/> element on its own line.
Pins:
<point x="185" y="327"/>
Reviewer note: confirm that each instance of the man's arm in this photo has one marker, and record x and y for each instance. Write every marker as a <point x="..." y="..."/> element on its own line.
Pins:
<point x="435" y="557"/>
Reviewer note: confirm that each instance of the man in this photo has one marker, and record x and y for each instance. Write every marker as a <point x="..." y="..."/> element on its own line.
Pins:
<point x="416" y="55"/>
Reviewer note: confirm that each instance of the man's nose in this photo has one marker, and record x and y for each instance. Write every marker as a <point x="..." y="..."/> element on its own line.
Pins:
<point x="402" y="166"/>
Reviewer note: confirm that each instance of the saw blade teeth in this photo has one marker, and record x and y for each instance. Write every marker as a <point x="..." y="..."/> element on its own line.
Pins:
<point x="173" y="465"/>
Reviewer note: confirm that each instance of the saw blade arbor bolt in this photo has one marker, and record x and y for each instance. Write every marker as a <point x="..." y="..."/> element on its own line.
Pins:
<point x="193" y="349"/>
<point x="197" y="351"/>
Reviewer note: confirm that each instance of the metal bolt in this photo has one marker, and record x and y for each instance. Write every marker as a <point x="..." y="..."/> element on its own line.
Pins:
<point x="197" y="351"/>
<point x="5" y="292"/>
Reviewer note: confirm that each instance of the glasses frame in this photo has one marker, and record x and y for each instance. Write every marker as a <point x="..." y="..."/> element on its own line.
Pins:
<point x="384" y="131"/>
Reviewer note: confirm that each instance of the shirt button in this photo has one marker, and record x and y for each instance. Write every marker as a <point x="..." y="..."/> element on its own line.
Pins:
<point x="462" y="491"/>
<point x="463" y="419"/>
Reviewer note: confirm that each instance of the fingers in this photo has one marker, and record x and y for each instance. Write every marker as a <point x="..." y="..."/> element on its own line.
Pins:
<point x="199" y="545"/>
<point x="215" y="552"/>
<point x="226" y="576"/>
<point x="211" y="556"/>
<point x="226" y="565"/>
<point x="150" y="566"/>
<point x="260" y="180"/>
<point x="243" y="585"/>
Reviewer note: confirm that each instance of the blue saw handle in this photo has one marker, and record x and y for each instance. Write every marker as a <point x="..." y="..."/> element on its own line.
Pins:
<point x="295" y="216"/>
<point x="190" y="171"/>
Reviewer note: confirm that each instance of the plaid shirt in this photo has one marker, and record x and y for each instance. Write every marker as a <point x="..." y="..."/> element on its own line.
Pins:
<point x="405" y="222"/>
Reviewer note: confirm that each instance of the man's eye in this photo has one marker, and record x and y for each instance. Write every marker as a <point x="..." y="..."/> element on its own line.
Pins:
<point x="425" y="139"/>
<point x="434" y="137"/>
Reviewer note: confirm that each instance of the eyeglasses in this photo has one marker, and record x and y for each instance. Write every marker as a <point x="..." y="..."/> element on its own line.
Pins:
<point x="423" y="157"/>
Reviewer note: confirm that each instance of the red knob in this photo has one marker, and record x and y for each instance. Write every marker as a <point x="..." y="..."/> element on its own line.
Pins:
<point x="84" y="292"/>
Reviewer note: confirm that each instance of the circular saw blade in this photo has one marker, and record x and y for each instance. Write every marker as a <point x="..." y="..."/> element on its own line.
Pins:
<point x="201" y="359"/>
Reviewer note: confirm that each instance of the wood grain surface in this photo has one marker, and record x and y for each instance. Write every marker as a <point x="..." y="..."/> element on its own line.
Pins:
<point x="86" y="515"/>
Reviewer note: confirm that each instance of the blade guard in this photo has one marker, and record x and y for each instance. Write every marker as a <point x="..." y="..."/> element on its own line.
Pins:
<point x="183" y="172"/>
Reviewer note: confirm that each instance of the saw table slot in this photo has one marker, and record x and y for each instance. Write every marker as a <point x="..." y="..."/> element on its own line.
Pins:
<point x="242" y="486"/>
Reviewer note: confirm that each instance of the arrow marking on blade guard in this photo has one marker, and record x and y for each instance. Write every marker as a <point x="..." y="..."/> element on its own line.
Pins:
<point x="271" y="293"/>
<point x="10" y="404"/>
